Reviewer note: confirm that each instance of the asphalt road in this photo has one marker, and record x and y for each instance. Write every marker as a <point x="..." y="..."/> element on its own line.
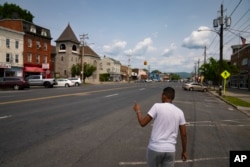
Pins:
<point x="95" y="126"/>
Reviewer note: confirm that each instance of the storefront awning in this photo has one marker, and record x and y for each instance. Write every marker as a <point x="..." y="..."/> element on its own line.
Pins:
<point x="33" y="69"/>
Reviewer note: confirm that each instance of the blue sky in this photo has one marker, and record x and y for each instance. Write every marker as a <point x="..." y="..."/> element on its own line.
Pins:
<point x="162" y="32"/>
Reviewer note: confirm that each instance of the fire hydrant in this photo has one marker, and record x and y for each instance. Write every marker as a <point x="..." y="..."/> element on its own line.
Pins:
<point x="220" y="90"/>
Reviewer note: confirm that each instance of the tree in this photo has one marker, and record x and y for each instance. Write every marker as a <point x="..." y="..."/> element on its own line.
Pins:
<point x="174" y="76"/>
<point x="104" y="77"/>
<point x="76" y="70"/>
<point x="88" y="71"/>
<point x="12" y="11"/>
<point x="156" y="72"/>
<point x="211" y="70"/>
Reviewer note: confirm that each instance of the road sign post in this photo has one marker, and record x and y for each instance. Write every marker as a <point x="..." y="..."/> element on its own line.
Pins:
<point x="225" y="74"/>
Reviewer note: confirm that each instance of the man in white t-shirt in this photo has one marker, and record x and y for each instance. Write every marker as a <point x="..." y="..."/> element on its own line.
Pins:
<point x="168" y="120"/>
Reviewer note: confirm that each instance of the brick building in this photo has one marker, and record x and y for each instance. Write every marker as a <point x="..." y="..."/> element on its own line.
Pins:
<point x="36" y="46"/>
<point x="241" y="59"/>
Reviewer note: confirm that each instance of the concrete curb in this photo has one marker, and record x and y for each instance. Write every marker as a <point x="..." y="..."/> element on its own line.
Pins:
<point x="245" y="110"/>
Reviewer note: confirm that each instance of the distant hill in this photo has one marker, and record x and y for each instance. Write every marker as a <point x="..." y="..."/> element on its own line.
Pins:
<point x="183" y="75"/>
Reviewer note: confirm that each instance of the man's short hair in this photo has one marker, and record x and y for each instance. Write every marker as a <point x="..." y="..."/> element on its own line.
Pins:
<point x="169" y="92"/>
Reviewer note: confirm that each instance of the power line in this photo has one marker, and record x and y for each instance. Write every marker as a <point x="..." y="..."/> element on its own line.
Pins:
<point x="235" y="8"/>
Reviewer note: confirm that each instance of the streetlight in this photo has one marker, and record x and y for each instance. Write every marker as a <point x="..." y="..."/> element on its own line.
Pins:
<point x="216" y="22"/>
<point x="82" y="39"/>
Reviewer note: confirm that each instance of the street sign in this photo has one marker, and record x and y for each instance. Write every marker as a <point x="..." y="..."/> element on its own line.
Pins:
<point x="225" y="74"/>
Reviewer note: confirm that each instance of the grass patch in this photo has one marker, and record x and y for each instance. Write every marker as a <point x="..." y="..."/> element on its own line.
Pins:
<point x="236" y="101"/>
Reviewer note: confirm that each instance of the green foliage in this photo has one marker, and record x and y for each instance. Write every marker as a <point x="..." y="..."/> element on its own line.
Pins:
<point x="236" y="101"/>
<point x="12" y="11"/>
<point x="174" y="76"/>
<point x="211" y="70"/>
<point x="104" y="77"/>
<point x="76" y="70"/>
<point x="156" y="72"/>
<point x="88" y="70"/>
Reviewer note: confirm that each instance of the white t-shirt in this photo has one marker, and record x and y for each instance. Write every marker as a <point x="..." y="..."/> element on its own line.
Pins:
<point x="167" y="118"/>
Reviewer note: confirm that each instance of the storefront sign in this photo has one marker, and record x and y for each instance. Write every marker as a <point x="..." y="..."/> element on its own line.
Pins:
<point x="5" y="65"/>
<point x="45" y="65"/>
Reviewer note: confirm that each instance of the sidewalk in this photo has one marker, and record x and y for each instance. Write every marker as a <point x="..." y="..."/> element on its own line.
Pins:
<point x="238" y="93"/>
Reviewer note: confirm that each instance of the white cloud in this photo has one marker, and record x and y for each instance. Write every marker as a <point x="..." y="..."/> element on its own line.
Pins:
<point x="141" y="47"/>
<point x="198" y="39"/>
<point x="169" y="51"/>
<point x="115" y="48"/>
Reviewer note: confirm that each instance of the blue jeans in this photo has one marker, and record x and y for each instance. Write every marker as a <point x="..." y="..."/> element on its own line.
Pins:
<point x="160" y="159"/>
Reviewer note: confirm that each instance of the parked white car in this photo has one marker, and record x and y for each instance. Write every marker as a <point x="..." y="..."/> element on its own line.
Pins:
<point x="77" y="81"/>
<point x="64" y="82"/>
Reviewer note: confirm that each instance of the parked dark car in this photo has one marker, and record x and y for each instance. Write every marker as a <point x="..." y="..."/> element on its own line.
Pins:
<point x="15" y="83"/>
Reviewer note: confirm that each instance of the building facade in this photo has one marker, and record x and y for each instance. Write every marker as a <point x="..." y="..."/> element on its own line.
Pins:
<point x="241" y="59"/>
<point x="67" y="53"/>
<point x="91" y="57"/>
<point x="36" y="46"/>
<point x="11" y="52"/>
<point x="112" y="67"/>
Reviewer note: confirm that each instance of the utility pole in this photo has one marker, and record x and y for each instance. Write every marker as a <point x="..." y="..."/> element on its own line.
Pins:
<point x="128" y="66"/>
<point x="205" y="55"/>
<point x="82" y="44"/>
<point x="221" y="41"/>
<point x="195" y="72"/>
<point x="220" y="21"/>
<point x="198" y="71"/>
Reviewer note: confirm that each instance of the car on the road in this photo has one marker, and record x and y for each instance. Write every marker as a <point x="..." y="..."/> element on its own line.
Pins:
<point x="77" y="81"/>
<point x="194" y="86"/>
<point x="148" y="80"/>
<point x="15" y="83"/>
<point x="64" y="82"/>
<point x="40" y="80"/>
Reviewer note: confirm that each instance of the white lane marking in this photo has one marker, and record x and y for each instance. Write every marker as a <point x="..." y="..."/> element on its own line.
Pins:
<point x="111" y="95"/>
<point x="6" y="116"/>
<point x="132" y="163"/>
<point x="201" y="159"/>
<point x="142" y="89"/>
<point x="6" y="96"/>
<point x="177" y="161"/>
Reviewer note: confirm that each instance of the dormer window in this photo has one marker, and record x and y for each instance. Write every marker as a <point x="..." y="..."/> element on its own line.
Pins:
<point x="44" y="33"/>
<point x="33" y="29"/>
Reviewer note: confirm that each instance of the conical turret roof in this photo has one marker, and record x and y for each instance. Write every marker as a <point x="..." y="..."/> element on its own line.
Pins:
<point x="68" y="35"/>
